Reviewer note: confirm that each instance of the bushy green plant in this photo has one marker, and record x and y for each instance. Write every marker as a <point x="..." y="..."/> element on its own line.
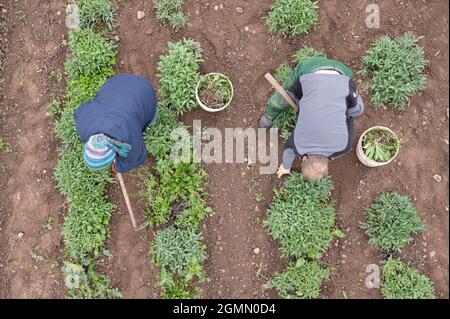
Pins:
<point x="83" y="284"/>
<point x="292" y="17"/>
<point x="175" y="198"/>
<point x="95" y="12"/>
<point x="286" y="122"/>
<point x="91" y="54"/>
<point x="75" y="180"/>
<point x="397" y="70"/>
<point x="176" y="288"/>
<point x="305" y="53"/>
<point x="194" y="213"/>
<point x="84" y="88"/>
<point x="180" y="251"/>
<point x="171" y="12"/>
<point x="158" y="138"/>
<point x="301" y="217"/>
<point x="300" y="280"/>
<point x="391" y="220"/>
<point x="403" y="282"/>
<point x="179" y="74"/>
<point x="55" y="108"/>
<point x="185" y="179"/>
<point x="85" y="228"/>
<point x="283" y="72"/>
<point x="177" y="185"/>
<point x="66" y="129"/>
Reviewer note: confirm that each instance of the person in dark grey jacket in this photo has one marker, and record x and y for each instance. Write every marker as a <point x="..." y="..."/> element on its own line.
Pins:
<point x="328" y="101"/>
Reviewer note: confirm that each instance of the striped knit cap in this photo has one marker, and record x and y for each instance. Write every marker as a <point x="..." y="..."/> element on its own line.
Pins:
<point x="98" y="154"/>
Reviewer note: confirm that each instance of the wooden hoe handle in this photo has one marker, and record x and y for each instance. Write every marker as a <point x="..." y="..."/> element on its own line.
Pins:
<point x="282" y="91"/>
<point x="127" y="199"/>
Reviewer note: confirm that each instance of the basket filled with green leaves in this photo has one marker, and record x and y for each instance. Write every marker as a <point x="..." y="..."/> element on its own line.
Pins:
<point x="214" y="92"/>
<point x="378" y="146"/>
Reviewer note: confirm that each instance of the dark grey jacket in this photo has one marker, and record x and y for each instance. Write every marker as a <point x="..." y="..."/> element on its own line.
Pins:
<point x="328" y="104"/>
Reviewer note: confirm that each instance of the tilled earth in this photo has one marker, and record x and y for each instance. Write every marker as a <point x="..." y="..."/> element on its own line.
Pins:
<point x="235" y="42"/>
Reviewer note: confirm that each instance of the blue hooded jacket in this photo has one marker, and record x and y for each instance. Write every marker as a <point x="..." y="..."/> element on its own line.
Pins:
<point x="122" y="109"/>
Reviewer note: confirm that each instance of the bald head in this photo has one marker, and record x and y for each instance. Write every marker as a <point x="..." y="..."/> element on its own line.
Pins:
<point x="315" y="167"/>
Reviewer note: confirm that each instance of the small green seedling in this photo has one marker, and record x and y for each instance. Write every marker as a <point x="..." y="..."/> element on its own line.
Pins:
<point x="259" y="198"/>
<point x="53" y="266"/>
<point x="3" y="168"/>
<point x="36" y="258"/>
<point x="20" y="16"/>
<point x="5" y="146"/>
<point x="57" y="75"/>
<point x="48" y="226"/>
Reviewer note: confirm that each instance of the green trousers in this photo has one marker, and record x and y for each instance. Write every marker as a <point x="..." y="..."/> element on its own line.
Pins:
<point x="277" y="105"/>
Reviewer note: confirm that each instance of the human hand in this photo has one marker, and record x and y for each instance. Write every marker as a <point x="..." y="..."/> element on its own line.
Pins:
<point x="282" y="171"/>
<point x="113" y="167"/>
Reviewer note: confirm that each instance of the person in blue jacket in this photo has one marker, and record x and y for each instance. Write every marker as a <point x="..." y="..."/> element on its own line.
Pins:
<point x="111" y="126"/>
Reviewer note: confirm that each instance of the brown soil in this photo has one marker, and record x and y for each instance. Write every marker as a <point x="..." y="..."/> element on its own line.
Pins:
<point x="29" y="196"/>
<point x="239" y="46"/>
<point x="211" y="96"/>
<point x="211" y="99"/>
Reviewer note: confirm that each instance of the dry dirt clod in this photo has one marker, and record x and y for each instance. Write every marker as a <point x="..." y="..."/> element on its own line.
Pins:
<point x="437" y="178"/>
<point x="140" y="15"/>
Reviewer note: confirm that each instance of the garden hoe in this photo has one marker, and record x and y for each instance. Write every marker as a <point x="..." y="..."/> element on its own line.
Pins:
<point x="282" y="91"/>
<point x="130" y="209"/>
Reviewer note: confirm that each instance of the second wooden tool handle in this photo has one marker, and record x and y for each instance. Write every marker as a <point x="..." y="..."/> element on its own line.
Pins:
<point x="282" y="91"/>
